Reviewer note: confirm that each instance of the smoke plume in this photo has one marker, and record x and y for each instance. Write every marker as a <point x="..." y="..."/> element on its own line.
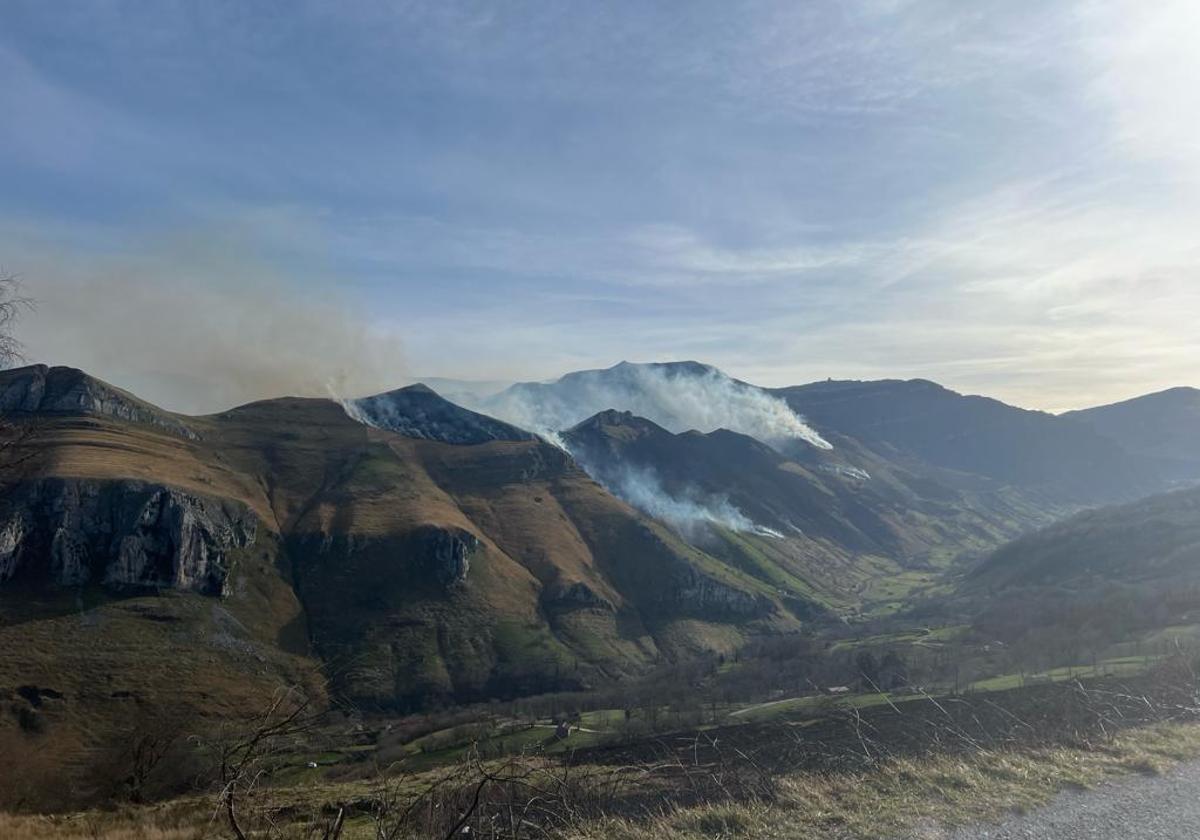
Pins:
<point x="687" y="514"/>
<point x="678" y="397"/>
<point x="195" y="329"/>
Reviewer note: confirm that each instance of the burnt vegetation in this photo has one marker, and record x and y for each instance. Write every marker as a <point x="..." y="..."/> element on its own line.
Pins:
<point x="533" y="794"/>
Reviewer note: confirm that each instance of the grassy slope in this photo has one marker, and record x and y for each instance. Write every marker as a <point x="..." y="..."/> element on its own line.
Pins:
<point x="1154" y="539"/>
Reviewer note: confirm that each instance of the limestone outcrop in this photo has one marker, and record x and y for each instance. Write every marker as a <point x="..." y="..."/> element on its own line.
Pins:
<point x="120" y="534"/>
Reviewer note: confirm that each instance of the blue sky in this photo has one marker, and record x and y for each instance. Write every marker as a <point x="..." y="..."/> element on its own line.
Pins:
<point x="214" y="201"/>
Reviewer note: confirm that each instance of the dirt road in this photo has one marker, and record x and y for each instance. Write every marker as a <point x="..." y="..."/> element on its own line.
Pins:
<point x="1163" y="807"/>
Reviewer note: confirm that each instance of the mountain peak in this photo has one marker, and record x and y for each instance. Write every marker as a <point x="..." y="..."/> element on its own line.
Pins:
<point x="686" y="367"/>
<point x="417" y="411"/>
<point x="43" y="389"/>
<point x="416" y="388"/>
<point x="613" y="423"/>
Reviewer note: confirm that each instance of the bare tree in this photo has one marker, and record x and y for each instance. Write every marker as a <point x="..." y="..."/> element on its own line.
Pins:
<point x="249" y="752"/>
<point x="12" y="305"/>
<point x="16" y="431"/>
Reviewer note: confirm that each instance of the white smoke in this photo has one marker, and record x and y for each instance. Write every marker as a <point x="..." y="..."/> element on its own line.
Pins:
<point x="352" y="409"/>
<point x="688" y="514"/>
<point x="677" y="397"/>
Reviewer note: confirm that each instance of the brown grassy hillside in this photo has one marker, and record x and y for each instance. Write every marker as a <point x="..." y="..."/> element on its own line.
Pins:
<point x="143" y="569"/>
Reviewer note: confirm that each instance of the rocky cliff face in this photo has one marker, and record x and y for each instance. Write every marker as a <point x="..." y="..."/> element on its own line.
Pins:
<point x="692" y="592"/>
<point x="120" y="534"/>
<point x="448" y="554"/>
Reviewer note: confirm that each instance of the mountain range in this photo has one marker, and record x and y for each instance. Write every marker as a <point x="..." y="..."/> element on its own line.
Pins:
<point x="401" y="550"/>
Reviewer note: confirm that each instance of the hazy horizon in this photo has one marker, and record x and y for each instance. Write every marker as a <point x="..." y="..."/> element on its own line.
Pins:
<point x="457" y="389"/>
<point x="213" y="203"/>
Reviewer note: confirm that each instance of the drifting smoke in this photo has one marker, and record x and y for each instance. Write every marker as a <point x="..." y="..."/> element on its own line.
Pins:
<point x="195" y="329"/>
<point x="678" y="397"/>
<point x="688" y="515"/>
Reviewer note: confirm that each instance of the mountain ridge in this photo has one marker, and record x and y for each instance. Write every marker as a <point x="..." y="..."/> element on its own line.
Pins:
<point x="922" y="421"/>
<point x="1163" y="425"/>
<point x="456" y="541"/>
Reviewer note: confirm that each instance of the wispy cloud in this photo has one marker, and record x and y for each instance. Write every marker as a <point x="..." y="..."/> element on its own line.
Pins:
<point x="1002" y="196"/>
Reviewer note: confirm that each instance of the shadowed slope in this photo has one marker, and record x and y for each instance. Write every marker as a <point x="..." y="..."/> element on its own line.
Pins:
<point x="823" y="529"/>
<point x="1165" y="426"/>
<point x="926" y="424"/>
<point x="1154" y="539"/>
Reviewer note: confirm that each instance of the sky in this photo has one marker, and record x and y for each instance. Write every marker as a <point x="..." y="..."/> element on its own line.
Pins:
<point x="217" y="201"/>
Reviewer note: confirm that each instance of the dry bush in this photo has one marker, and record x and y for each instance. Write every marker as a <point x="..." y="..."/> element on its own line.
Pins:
<point x="247" y="753"/>
<point x="537" y="797"/>
<point x="521" y="797"/>
<point x="151" y="757"/>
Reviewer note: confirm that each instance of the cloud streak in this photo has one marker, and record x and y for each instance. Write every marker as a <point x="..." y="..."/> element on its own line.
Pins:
<point x="1001" y="196"/>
